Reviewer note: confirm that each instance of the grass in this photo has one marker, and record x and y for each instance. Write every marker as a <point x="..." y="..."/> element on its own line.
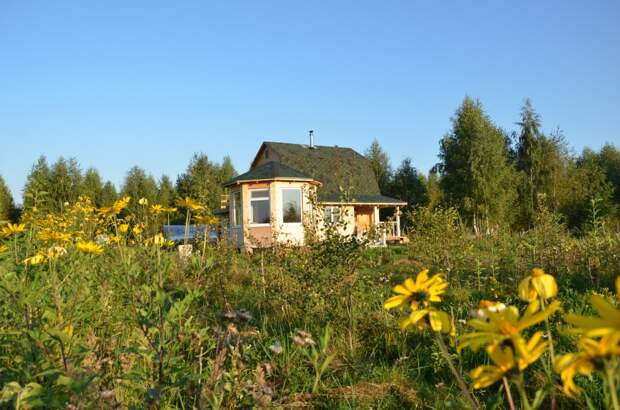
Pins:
<point x="139" y="327"/>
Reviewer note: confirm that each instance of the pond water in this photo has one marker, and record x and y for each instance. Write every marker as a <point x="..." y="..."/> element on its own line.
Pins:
<point x="177" y="232"/>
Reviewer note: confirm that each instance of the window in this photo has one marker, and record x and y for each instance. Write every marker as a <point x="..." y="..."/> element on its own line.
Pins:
<point x="260" y="208"/>
<point x="291" y="205"/>
<point x="332" y="214"/>
<point x="236" y="199"/>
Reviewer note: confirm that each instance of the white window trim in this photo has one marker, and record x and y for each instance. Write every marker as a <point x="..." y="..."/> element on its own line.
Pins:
<point x="301" y="205"/>
<point x="267" y="198"/>
<point x="331" y="213"/>
<point x="234" y="208"/>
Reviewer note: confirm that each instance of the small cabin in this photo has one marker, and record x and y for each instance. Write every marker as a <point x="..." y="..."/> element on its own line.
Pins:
<point x="292" y="186"/>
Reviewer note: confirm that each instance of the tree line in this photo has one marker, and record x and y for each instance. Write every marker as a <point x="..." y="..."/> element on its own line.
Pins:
<point x="50" y="186"/>
<point x="493" y="177"/>
<point x="497" y="178"/>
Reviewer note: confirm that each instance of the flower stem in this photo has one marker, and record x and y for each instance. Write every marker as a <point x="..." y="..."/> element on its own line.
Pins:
<point x="611" y="383"/>
<point x="523" y="393"/>
<point x="457" y="375"/>
<point x="511" y="402"/>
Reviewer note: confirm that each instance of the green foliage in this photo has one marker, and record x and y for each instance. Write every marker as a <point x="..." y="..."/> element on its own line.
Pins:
<point x="108" y="194"/>
<point x="138" y="185"/>
<point x="37" y="184"/>
<point x="7" y="206"/>
<point x="203" y="180"/>
<point x="380" y="165"/>
<point x="477" y="177"/>
<point x="92" y="187"/>
<point x="408" y="185"/>
<point x="166" y="194"/>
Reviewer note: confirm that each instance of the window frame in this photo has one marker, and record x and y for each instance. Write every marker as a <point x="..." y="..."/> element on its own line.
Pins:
<point x="237" y="218"/>
<point x="267" y="198"/>
<point x="331" y="209"/>
<point x="301" y="204"/>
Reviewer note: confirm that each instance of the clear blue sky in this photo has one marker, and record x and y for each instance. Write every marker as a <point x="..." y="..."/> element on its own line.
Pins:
<point x="126" y="83"/>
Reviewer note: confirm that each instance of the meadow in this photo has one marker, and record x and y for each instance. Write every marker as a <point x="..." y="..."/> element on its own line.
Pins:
<point x="99" y="310"/>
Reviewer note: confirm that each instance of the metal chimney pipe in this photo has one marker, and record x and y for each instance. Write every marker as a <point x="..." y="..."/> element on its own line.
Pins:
<point x="311" y="134"/>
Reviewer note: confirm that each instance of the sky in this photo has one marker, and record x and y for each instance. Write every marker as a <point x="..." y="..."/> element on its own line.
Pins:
<point x="123" y="83"/>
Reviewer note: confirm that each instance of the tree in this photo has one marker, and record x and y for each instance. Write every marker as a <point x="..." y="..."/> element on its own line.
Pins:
<point x="203" y="180"/>
<point x="380" y="163"/>
<point x="587" y="187"/>
<point x="476" y="175"/>
<point x="7" y="206"/>
<point x="166" y="194"/>
<point x="36" y="189"/>
<point x="408" y="185"/>
<point x="92" y="186"/>
<point x="108" y="194"/>
<point x="65" y="183"/>
<point x="433" y="189"/>
<point x="541" y="161"/>
<point x="227" y="169"/>
<point x="609" y="160"/>
<point x="139" y="185"/>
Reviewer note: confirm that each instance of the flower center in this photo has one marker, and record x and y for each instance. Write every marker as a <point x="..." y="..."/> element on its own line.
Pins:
<point x="420" y="296"/>
<point x="508" y="329"/>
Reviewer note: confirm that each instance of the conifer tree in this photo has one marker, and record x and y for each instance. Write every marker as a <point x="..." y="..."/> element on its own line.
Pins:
<point x="37" y="187"/>
<point x="7" y="206"/>
<point x="108" y="194"/>
<point x="92" y="186"/>
<point x="380" y="164"/>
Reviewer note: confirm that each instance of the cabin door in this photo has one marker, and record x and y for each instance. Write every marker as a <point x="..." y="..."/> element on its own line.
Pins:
<point x="363" y="219"/>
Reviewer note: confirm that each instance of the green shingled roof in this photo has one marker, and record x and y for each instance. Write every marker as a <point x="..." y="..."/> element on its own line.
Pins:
<point x="335" y="167"/>
<point x="269" y="170"/>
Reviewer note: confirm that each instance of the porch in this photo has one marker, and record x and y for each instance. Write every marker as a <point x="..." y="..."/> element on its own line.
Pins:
<point x="368" y="221"/>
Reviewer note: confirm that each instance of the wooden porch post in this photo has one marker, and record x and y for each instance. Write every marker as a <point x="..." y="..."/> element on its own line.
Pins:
<point x="376" y="217"/>
<point x="398" y="221"/>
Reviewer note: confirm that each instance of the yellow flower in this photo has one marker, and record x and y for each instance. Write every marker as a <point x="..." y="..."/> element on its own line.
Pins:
<point x="137" y="230"/>
<point x="531" y="351"/>
<point x="189" y="203"/>
<point x="157" y="240"/>
<point x="607" y="322"/>
<point x="169" y="243"/>
<point x="39" y="257"/>
<point x="538" y="284"/>
<point x="586" y="360"/>
<point x="89" y="247"/>
<point x="157" y="209"/>
<point x="437" y="320"/>
<point x="505" y="360"/>
<point x="143" y="201"/>
<point x="116" y="208"/>
<point x="3" y="248"/>
<point x="12" y="229"/>
<point x="55" y="252"/>
<point x="417" y="293"/>
<point x="486" y="375"/>
<point x="123" y="228"/>
<point x="505" y="324"/>
<point x="54" y="236"/>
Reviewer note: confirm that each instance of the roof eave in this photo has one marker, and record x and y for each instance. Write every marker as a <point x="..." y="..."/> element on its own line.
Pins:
<point x="284" y="179"/>
<point x="363" y="203"/>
